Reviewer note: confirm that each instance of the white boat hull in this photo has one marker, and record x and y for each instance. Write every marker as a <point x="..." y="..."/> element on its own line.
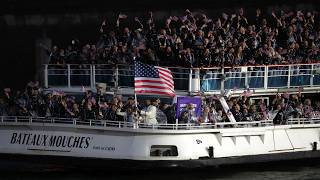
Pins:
<point x="195" y="148"/>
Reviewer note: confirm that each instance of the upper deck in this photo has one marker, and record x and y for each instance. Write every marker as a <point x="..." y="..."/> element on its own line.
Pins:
<point x="119" y="78"/>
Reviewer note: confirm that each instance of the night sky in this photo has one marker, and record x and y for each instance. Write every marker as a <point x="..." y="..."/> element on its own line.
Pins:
<point x="17" y="64"/>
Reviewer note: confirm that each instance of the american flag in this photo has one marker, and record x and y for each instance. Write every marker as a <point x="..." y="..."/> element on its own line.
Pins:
<point x="153" y="80"/>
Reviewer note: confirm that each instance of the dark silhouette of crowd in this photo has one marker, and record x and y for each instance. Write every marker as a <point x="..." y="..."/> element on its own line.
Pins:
<point x="34" y="102"/>
<point x="280" y="108"/>
<point x="245" y="108"/>
<point x="194" y="40"/>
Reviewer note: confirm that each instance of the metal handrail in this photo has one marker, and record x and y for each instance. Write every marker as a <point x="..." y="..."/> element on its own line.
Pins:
<point x="122" y="124"/>
<point x="289" y="76"/>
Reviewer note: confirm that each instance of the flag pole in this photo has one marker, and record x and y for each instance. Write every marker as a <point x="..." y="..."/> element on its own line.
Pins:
<point x="135" y="100"/>
<point x="135" y="94"/>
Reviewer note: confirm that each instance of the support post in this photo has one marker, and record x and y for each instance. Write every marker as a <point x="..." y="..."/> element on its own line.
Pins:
<point x="265" y="77"/>
<point x="69" y="75"/>
<point x="116" y="84"/>
<point x="311" y="75"/>
<point x="46" y="75"/>
<point x="222" y="82"/>
<point x="289" y="76"/>
<point x="190" y="81"/>
<point x="93" y="76"/>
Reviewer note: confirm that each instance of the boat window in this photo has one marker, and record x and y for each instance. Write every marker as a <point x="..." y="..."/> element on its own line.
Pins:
<point x="163" y="150"/>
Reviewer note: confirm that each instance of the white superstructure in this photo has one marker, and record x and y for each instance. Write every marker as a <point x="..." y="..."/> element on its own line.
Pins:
<point x="173" y="142"/>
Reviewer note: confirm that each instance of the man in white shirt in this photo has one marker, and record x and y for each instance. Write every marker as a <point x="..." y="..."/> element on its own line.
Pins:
<point x="149" y="114"/>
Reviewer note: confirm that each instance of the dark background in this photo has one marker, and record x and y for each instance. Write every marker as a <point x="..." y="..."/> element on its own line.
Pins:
<point x="81" y="19"/>
<point x="62" y="6"/>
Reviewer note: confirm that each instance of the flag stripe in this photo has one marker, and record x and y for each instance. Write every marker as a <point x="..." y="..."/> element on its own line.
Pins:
<point x="155" y="88"/>
<point x="165" y="77"/>
<point x="154" y="92"/>
<point x="155" y="82"/>
<point x="164" y="69"/>
<point x="151" y="85"/>
<point x="144" y="79"/>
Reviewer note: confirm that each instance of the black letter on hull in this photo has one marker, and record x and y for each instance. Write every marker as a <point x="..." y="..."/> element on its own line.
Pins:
<point x="87" y="142"/>
<point x="13" y="138"/>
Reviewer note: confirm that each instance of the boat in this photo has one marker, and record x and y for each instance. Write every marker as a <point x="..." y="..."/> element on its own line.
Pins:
<point x="50" y="142"/>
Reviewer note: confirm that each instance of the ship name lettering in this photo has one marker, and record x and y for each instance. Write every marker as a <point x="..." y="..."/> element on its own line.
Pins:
<point x="29" y="139"/>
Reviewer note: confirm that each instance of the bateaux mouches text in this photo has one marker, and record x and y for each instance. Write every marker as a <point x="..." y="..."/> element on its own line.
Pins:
<point x="50" y="140"/>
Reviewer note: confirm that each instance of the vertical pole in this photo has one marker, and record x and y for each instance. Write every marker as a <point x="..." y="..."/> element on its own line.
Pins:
<point x="246" y="80"/>
<point x="177" y="122"/>
<point x="93" y="76"/>
<point x="265" y="77"/>
<point x="190" y="81"/>
<point x="116" y="78"/>
<point x="311" y="76"/>
<point x="206" y="81"/>
<point x="196" y="80"/>
<point x="46" y="75"/>
<point x="222" y="82"/>
<point x="135" y="100"/>
<point x="68" y="75"/>
<point x="289" y="76"/>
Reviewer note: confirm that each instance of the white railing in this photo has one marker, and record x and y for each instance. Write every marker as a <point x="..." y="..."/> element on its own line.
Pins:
<point x="254" y="77"/>
<point x="72" y="75"/>
<point x="294" y="121"/>
<point x="18" y="120"/>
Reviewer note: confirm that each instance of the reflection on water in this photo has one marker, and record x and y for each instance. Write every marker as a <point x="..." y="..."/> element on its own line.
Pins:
<point x="284" y="171"/>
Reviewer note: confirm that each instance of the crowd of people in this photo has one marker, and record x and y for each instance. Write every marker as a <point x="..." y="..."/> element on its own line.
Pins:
<point x="194" y="40"/>
<point x="98" y="106"/>
<point x="281" y="108"/>
<point x="34" y="102"/>
<point x="244" y="109"/>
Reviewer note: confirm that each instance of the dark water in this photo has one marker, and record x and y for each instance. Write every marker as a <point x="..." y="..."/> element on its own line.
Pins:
<point x="309" y="169"/>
